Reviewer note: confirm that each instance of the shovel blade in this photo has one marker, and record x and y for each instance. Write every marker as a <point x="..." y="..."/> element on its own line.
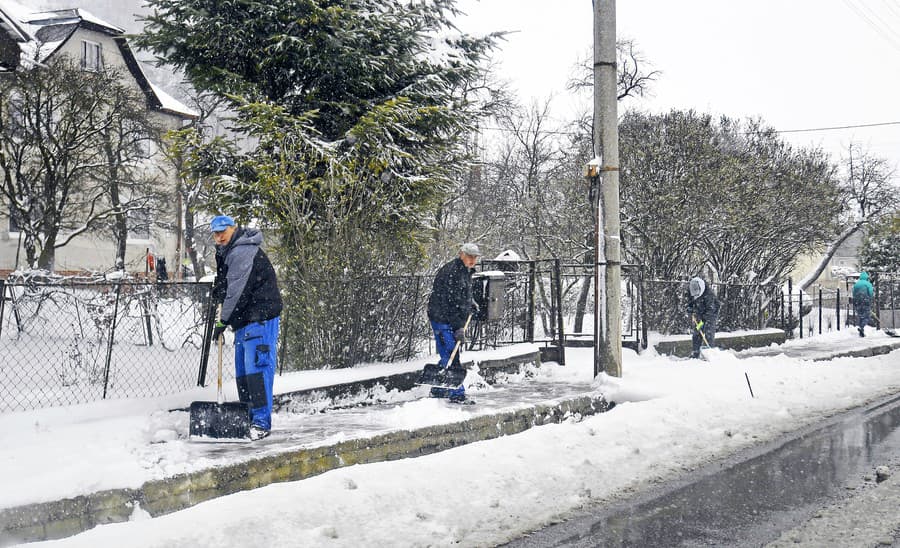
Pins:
<point x="430" y="374"/>
<point x="229" y="420"/>
<point x="435" y="375"/>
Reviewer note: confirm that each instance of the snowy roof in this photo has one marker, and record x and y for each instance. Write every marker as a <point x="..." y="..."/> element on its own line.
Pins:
<point x="157" y="97"/>
<point x="508" y="255"/>
<point x="9" y="23"/>
<point x="74" y="16"/>
<point x="171" y="104"/>
<point x="43" y="33"/>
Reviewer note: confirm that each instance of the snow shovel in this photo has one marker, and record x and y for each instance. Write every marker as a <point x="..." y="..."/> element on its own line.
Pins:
<point x="445" y="377"/>
<point x="699" y="327"/>
<point x="888" y="332"/>
<point x="220" y="419"/>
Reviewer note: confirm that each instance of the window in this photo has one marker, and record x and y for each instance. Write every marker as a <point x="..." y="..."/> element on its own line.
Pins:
<point x="91" y="56"/>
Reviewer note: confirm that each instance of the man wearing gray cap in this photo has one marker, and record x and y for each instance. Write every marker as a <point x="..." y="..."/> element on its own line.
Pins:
<point x="449" y="308"/>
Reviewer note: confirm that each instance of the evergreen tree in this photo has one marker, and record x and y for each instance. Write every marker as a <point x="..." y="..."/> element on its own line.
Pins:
<point x="358" y="110"/>
<point x="881" y="247"/>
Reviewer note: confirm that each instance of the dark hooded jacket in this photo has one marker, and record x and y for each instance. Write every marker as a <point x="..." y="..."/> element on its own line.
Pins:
<point x="704" y="307"/>
<point x="451" y="295"/>
<point x="245" y="281"/>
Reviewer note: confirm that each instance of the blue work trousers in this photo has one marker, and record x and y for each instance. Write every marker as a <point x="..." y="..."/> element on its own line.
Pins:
<point x="254" y="367"/>
<point x="444" y="342"/>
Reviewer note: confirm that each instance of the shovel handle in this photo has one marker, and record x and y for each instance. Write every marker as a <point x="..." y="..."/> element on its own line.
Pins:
<point x="220" y="398"/>
<point x="456" y="348"/>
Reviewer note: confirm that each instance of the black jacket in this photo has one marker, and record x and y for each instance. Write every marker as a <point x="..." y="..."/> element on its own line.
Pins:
<point x="245" y="281"/>
<point x="451" y="295"/>
<point x="705" y="307"/>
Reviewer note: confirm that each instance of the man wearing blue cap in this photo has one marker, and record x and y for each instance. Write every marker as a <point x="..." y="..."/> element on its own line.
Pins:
<point x="251" y="304"/>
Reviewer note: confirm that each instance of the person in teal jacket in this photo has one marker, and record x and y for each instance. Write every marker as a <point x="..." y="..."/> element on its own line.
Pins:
<point x="862" y="301"/>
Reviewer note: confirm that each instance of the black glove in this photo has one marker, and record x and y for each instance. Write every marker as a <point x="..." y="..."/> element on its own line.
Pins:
<point x="460" y="335"/>
<point x="218" y="329"/>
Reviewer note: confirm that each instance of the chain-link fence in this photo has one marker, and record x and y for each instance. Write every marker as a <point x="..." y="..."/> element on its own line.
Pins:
<point x="343" y="322"/>
<point x="69" y="343"/>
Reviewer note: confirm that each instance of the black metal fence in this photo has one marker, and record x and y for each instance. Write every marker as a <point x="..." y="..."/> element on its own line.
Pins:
<point x="741" y="306"/>
<point x="887" y="298"/>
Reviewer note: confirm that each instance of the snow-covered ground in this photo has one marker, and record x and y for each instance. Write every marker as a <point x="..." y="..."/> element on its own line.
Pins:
<point x="672" y="416"/>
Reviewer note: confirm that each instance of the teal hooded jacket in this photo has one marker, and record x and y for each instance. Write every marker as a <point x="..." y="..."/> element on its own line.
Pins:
<point x="862" y="289"/>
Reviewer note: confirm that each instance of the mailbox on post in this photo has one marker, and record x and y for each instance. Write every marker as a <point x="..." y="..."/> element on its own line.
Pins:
<point x="489" y="291"/>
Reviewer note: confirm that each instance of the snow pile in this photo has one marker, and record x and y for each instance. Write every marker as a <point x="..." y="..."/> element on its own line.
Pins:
<point x="672" y="416"/>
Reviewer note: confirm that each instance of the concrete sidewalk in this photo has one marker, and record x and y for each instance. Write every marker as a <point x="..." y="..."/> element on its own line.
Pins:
<point x="308" y="442"/>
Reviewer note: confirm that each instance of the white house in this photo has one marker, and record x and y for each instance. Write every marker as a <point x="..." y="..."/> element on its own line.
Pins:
<point x="29" y="38"/>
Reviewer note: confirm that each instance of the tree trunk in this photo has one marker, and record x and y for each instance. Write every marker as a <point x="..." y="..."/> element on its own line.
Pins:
<point x="196" y="261"/>
<point x="826" y="257"/>
<point x="581" y="305"/>
<point x="120" y="222"/>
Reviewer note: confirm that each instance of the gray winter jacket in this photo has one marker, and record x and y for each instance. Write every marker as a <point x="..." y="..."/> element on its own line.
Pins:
<point x="245" y="281"/>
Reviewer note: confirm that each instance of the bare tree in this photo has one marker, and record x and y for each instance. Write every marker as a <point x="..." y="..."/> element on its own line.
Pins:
<point x="52" y="126"/>
<point x="129" y="139"/>
<point x="633" y="79"/>
<point x="869" y="192"/>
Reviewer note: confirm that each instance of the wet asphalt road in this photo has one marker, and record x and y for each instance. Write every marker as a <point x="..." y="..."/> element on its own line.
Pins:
<point x="749" y="499"/>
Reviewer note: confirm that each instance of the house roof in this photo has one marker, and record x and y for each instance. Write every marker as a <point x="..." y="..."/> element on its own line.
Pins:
<point x="11" y="26"/>
<point x="41" y="34"/>
<point x="156" y="97"/>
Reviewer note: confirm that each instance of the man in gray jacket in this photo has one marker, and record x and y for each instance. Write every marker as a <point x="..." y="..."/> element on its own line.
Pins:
<point x="251" y="304"/>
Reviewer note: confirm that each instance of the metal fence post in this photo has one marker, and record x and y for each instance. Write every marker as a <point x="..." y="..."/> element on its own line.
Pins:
<point x="529" y="321"/>
<point x="800" y="310"/>
<point x="643" y="309"/>
<point x="790" y="303"/>
<point x="557" y="271"/>
<point x="893" y="306"/>
<point x="837" y="308"/>
<point x="207" y="336"/>
<point x="781" y="308"/>
<point x="145" y="304"/>
<point x="820" y="310"/>
<point x="2" y="304"/>
<point x="111" y="341"/>
<point x="412" y="328"/>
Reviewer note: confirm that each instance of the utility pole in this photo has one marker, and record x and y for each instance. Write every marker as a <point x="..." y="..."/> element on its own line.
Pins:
<point x="608" y="273"/>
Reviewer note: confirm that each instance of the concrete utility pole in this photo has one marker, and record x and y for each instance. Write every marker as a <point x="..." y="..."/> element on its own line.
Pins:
<point x="608" y="274"/>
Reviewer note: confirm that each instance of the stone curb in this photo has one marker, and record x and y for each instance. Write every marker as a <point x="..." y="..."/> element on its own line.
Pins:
<point x="337" y="394"/>
<point x="58" y="519"/>
<point x="863" y="352"/>
<point x="682" y="347"/>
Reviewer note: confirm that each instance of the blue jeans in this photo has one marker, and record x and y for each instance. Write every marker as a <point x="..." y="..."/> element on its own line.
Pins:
<point x="255" y="357"/>
<point x="445" y="342"/>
